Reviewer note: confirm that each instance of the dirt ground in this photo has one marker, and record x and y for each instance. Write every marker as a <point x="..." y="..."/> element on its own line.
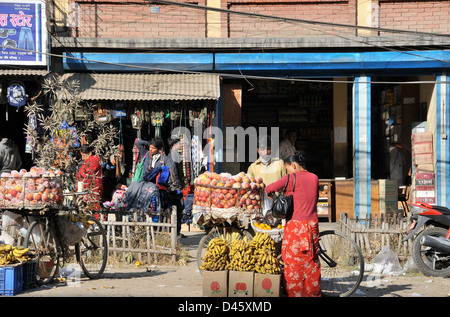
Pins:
<point x="185" y="281"/>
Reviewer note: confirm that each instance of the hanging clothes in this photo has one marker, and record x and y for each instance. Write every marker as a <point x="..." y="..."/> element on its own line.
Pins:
<point x="196" y="156"/>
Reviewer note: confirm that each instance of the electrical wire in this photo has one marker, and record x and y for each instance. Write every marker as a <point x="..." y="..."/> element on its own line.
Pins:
<point x="285" y="19"/>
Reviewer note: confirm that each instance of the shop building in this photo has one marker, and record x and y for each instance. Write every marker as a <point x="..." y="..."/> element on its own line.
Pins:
<point x="23" y="64"/>
<point x="353" y="94"/>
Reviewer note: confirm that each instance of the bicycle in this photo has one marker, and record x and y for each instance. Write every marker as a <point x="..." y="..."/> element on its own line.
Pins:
<point x="45" y="243"/>
<point x="342" y="264"/>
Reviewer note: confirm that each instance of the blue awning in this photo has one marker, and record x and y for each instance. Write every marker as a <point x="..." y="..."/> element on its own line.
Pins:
<point x="281" y="64"/>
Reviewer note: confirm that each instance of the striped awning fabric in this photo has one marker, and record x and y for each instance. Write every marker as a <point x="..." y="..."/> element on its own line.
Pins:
<point x="146" y="86"/>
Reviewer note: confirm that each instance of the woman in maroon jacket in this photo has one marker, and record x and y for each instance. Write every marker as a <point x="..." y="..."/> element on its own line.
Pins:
<point x="301" y="234"/>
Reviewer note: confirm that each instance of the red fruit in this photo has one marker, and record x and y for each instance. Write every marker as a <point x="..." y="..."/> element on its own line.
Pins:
<point x="29" y="197"/>
<point x="45" y="197"/>
<point x="37" y="196"/>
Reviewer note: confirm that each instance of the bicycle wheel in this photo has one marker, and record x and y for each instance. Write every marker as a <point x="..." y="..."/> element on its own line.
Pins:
<point x="92" y="250"/>
<point x="342" y="264"/>
<point x="41" y="240"/>
<point x="227" y="233"/>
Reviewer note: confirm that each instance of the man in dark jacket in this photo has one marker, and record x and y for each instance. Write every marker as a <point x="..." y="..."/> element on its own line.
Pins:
<point x="9" y="155"/>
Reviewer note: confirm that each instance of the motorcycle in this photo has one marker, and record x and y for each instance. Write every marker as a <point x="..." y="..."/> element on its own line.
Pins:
<point x="431" y="247"/>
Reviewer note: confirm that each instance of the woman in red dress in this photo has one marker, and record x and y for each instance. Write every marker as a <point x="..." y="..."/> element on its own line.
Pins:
<point x="90" y="173"/>
<point x="301" y="233"/>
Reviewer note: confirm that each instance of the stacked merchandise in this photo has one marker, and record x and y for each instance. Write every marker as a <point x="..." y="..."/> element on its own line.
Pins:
<point x="241" y="268"/>
<point x="423" y="166"/>
<point x="226" y="197"/>
<point x="388" y="196"/>
<point x="31" y="189"/>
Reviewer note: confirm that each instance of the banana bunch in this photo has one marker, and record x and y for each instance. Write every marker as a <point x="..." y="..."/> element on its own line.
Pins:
<point x="81" y="218"/>
<point x="241" y="256"/>
<point x="10" y="254"/>
<point x="216" y="257"/>
<point x="265" y="254"/>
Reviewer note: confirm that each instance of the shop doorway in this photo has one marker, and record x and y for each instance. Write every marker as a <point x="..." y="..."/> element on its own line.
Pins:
<point x="304" y="107"/>
<point x="395" y="110"/>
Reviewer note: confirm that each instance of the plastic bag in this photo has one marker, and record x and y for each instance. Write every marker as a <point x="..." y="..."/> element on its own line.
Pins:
<point x="386" y="262"/>
<point x="11" y="219"/>
<point x="70" y="232"/>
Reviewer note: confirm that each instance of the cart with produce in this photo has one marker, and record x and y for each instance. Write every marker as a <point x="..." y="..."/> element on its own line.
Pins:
<point x="229" y="207"/>
<point x="241" y="239"/>
<point x="50" y="234"/>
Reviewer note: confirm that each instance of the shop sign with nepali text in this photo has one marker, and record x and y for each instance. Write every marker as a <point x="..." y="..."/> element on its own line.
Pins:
<point x="23" y="33"/>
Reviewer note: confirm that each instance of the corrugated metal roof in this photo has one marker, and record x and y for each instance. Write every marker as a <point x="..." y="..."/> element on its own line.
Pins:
<point x="146" y="86"/>
<point x="23" y="72"/>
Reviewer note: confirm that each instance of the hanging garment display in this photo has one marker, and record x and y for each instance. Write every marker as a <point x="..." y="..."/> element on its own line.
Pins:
<point x="82" y="113"/>
<point x="30" y="144"/>
<point x="196" y="156"/>
<point x="65" y="134"/>
<point x="120" y="159"/>
<point x="186" y="159"/>
<point x="157" y="120"/>
<point x="102" y="114"/>
<point x="137" y="118"/>
<point x="119" y="110"/>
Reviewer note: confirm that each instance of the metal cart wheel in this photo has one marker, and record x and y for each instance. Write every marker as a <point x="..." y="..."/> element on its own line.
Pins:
<point x="92" y="250"/>
<point x="342" y="264"/>
<point x="41" y="240"/>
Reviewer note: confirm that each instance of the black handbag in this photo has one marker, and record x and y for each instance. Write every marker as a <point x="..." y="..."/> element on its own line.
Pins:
<point x="283" y="206"/>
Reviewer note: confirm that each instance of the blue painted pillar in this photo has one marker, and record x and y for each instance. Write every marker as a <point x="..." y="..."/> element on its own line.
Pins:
<point x="361" y="146"/>
<point x="441" y="135"/>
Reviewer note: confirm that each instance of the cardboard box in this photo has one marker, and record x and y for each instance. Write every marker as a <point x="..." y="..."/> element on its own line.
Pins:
<point x="420" y="137"/>
<point x="426" y="158"/>
<point x="267" y="285"/>
<point x="387" y="187"/>
<point x="388" y="203"/>
<point x="425" y="193"/>
<point x="215" y="283"/>
<point x="424" y="182"/>
<point x="424" y="187"/>
<point x="44" y="268"/>
<point x="240" y="284"/>
<point x="425" y="168"/>
<point x="424" y="175"/>
<point x="428" y="200"/>
<point x="422" y="148"/>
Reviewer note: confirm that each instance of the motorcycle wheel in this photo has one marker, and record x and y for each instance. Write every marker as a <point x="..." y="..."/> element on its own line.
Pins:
<point x="426" y="258"/>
